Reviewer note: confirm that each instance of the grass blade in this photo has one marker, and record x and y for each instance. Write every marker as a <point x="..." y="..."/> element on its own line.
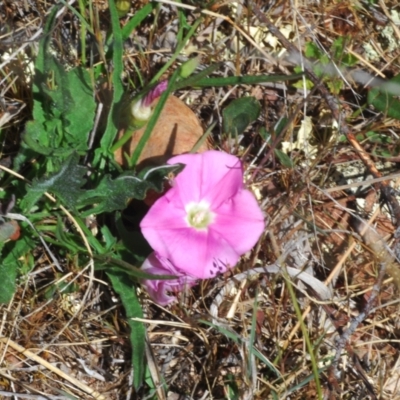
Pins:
<point x="123" y="286"/>
<point x="137" y="19"/>
<point x="243" y="80"/>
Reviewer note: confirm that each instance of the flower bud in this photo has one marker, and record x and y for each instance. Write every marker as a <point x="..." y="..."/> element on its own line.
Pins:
<point x="189" y="67"/>
<point x="123" y="7"/>
<point x="141" y="110"/>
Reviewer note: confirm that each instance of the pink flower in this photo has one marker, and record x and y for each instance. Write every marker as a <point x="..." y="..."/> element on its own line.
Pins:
<point x="160" y="290"/>
<point x="154" y="93"/>
<point x="207" y="220"/>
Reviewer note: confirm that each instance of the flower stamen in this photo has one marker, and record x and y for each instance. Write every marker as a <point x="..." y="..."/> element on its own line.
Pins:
<point x="199" y="215"/>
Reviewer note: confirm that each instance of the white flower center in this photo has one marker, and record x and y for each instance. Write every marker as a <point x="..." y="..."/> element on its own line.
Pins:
<point x="199" y="215"/>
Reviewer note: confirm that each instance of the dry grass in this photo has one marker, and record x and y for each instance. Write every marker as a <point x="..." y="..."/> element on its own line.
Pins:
<point x="239" y="334"/>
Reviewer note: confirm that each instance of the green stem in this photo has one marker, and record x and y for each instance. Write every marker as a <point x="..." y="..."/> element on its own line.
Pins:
<point x="127" y="135"/>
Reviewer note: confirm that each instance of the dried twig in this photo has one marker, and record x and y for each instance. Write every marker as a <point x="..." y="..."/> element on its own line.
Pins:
<point x="29" y="354"/>
<point x="384" y="186"/>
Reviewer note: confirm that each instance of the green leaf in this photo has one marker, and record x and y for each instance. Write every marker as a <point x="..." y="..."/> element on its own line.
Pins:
<point x="63" y="108"/>
<point x="109" y="239"/>
<point x="339" y="54"/>
<point x="115" y="194"/>
<point x="127" y="292"/>
<point x="193" y="79"/>
<point x="231" y="387"/>
<point x="35" y="139"/>
<point x="111" y="194"/>
<point x="67" y="105"/>
<point x="282" y="122"/>
<point x="300" y="84"/>
<point x="337" y="47"/>
<point x="349" y="60"/>
<point x="238" y="340"/>
<point x="284" y="158"/>
<point x="66" y="238"/>
<point x="111" y="128"/>
<point x="104" y="262"/>
<point x="376" y="137"/>
<point x="240" y="114"/>
<point x="200" y="79"/>
<point x="312" y="51"/>
<point x="335" y="85"/>
<point x="79" y="106"/>
<point x="137" y="19"/>
<point x="41" y="66"/>
<point x="384" y="101"/>
<point x="10" y="264"/>
<point x="156" y="175"/>
<point x="60" y="287"/>
<point x="44" y="139"/>
<point x="266" y="136"/>
<point x="244" y="80"/>
<point x="225" y="331"/>
<point x="383" y="153"/>
<point x="65" y="183"/>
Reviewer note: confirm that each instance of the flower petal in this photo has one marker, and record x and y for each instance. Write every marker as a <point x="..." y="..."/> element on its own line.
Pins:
<point x="159" y="224"/>
<point x="159" y="289"/>
<point x="240" y="221"/>
<point x="200" y="254"/>
<point x="212" y="176"/>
